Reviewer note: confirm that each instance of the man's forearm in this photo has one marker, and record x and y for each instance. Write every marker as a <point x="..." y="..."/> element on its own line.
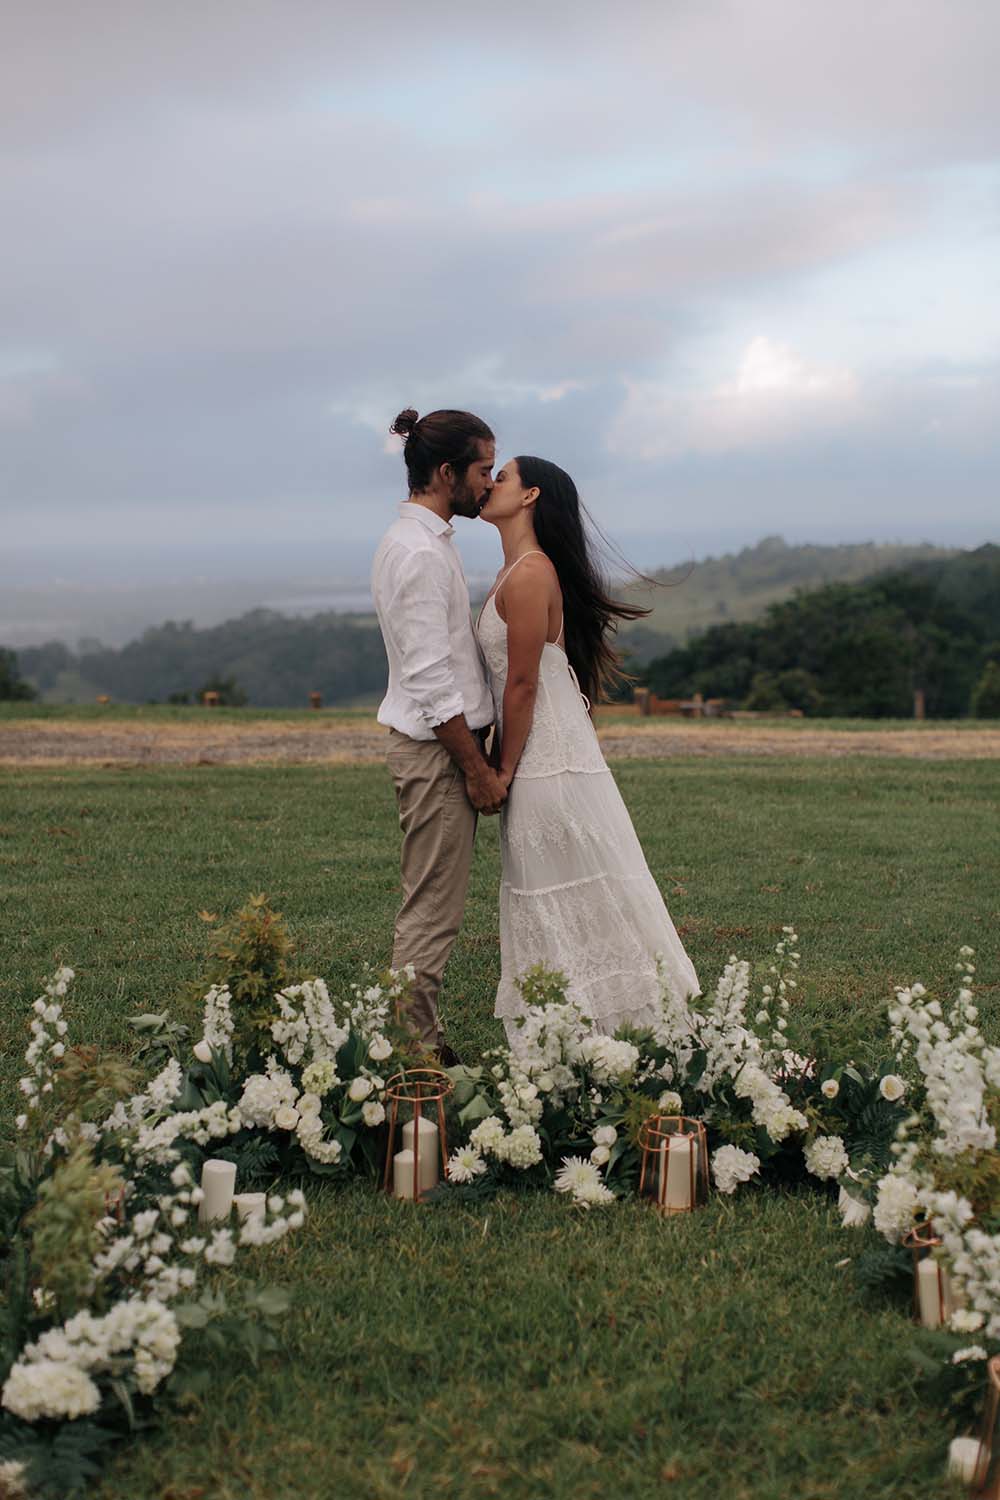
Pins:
<point x="462" y="745"/>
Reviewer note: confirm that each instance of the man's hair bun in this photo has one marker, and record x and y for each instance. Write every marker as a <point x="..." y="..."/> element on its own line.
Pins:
<point x="405" y="423"/>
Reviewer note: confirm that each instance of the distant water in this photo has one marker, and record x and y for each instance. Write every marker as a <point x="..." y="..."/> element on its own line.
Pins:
<point x="350" y="599"/>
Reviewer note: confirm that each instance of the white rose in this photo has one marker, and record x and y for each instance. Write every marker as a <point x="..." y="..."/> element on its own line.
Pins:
<point x="360" y="1089"/>
<point x="600" y="1155"/>
<point x="605" y="1135"/>
<point x="202" y="1051"/>
<point x="379" y="1048"/>
<point x="285" y="1117"/>
<point x="309" y="1104"/>
<point x="373" y="1113"/>
<point x="892" y="1087"/>
<point x="830" y="1088"/>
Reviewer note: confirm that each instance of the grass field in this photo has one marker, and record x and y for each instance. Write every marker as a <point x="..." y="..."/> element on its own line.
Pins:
<point x="518" y="1350"/>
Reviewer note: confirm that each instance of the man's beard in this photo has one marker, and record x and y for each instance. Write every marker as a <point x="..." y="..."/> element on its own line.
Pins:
<point x="463" y="502"/>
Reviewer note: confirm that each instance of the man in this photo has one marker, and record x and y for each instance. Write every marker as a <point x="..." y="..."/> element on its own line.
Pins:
<point x="438" y="706"/>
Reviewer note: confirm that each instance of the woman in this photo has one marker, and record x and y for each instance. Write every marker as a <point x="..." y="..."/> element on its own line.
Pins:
<point x="576" y="893"/>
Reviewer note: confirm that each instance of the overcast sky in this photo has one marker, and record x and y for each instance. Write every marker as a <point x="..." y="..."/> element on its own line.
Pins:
<point x="734" y="265"/>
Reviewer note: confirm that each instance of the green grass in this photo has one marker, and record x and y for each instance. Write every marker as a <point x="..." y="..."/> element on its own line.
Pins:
<point x="517" y="1349"/>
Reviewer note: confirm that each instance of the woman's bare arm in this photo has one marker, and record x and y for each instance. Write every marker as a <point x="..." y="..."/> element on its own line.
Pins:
<point x="526" y="602"/>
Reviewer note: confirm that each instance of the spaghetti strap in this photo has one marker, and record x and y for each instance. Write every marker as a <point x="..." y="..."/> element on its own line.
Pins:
<point x="534" y="552"/>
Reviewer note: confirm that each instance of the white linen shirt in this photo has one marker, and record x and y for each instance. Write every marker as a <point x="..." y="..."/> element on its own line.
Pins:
<point x="422" y="600"/>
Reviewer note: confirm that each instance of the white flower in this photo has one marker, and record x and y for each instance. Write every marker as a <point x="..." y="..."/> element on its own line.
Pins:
<point x="829" y="1088"/>
<point x="604" y="1135"/>
<point x="731" y="1166"/>
<point x="465" y="1164"/>
<point x="319" y="1077"/>
<point x="825" y="1157"/>
<point x="669" y="1102"/>
<point x="360" y="1089"/>
<point x="895" y="1206"/>
<point x="222" y="1250"/>
<point x="488" y="1134"/>
<point x="974" y="1351"/>
<point x="892" y="1087"/>
<point x="373" y="1112"/>
<point x="853" y="1213"/>
<point x="379" y="1048"/>
<point x="286" y="1117"/>
<point x="583" y="1180"/>
<point x="55" y="1389"/>
<point x="521" y="1149"/>
<point x="965" y="1320"/>
<point x="202" y="1051"/>
<point x="308" y="1104"/>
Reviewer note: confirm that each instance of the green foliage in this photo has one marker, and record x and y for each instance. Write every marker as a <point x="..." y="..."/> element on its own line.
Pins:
<point x="853" y="650"/>
<point x="985" y="701"/>
<point x="59" y="1462"/>
<point x="250" y="954"/>
<point x="13" y="687"/>
<point x="883" y="1267"/>
<point x="90" y="1082"/>
<point x="161" y="1038"/>
<point x="63" y="1225"/>
<point x="541" y="986"/>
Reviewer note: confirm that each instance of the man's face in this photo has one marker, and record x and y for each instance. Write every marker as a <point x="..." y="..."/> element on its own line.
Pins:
<point x="471" y="492"/>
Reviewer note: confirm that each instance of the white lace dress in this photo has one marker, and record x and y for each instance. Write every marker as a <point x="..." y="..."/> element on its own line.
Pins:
<point x="576" y="893"/>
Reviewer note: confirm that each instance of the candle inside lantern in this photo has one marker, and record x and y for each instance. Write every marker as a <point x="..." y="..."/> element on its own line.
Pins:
<point x="428" y="1165"/>
<point x="218" y="1179"/>
<point x="250" y="1206"/>
<point x="930" y="1291"/>
<point x="402" y="1175"/>
<point x="678" y="1163"/>
<point x="963" y="1458"/>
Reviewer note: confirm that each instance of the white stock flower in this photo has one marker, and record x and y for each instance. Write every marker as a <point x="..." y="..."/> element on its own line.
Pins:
<point x="731" y="1166"/>
<point x="892" y="1087"/>
<point x="825" y="1157"/>
<point x="895" y="1206"/>
<point x="974" y="1351"/>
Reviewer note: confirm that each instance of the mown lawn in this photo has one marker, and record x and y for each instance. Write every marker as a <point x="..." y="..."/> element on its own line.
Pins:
<point x="519" y="1350"/>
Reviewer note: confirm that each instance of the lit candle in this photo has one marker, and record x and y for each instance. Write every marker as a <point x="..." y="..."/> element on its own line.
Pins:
<point x="929" y="1292"/>
<point x="677" y="1156"/>
<point x="250" y="1206"/>
<point x="218" y="1179"/>
<point x="402" y="1175"/>
<point x="963" y="1458"/>
<point x="428" y="1150"/>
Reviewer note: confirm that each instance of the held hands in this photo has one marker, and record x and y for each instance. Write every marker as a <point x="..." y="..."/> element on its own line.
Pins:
<point x="486" y="790"/>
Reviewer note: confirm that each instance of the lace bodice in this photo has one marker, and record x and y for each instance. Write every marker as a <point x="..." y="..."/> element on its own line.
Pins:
<point x="562" y="736"/>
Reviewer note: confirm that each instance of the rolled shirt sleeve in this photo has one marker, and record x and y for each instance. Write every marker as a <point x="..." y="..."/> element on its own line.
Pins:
<point x="418" y="622"/>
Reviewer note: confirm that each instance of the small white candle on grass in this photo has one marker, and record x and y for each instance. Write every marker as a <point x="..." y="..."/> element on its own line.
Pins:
<point x="929" y="1292"/>
<point x="218" y="1179"/>
<point x="679" y="1159"/>
<point x="429" y="1149"/>
<point x="963" y="1458"/>
<point x="250" y="1206"/>
<point x="402" y="1175"/>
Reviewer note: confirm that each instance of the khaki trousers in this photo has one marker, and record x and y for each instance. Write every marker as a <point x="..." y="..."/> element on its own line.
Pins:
<point x="439" y="827"/>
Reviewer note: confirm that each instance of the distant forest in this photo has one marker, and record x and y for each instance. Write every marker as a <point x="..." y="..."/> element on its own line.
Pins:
<point x="844" y="648"/>
<point x="858" y="649"/>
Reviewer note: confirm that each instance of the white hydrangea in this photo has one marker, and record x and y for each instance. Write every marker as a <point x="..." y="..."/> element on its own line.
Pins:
<point x="731" y="1166"/>
<point x="320" y="1077"/>
<point x="265" y="1093"/>
<point x="609" y="1060"/>
<point x="488" y="1134"/>
<point x="53" y="1389"/>
<point x="522" y="1148"/>
<point x="826" y="1157"/>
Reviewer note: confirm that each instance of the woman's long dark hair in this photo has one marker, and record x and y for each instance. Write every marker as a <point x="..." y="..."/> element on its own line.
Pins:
<point x="590" y="613"/>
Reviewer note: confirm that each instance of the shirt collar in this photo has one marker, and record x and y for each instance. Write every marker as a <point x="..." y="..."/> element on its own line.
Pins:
<point x="426" y="518"/>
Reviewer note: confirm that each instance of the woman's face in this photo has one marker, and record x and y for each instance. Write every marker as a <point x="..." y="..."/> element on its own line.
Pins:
<point x="507" y="496"/>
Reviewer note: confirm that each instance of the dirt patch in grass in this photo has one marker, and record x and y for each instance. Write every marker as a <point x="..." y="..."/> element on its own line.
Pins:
<point x="51" y="742"/>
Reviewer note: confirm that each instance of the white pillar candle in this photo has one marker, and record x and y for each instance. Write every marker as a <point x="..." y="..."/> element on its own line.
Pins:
<point x="929" y="1292"/>
<point x="250" y="1206"/>
<point x="429" y="1150"/>
<point x="402" y="1175"/>
<point x="218" y="1179"/>
<point x="963" y="1458"/>
<point x="677" y="1158"/>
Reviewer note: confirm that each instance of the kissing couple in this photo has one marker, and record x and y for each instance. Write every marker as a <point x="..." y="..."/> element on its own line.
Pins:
<point x="576" y="894"/>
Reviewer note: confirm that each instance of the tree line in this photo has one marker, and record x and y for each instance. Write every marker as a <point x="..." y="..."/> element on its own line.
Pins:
<point x="858" y="650"/>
